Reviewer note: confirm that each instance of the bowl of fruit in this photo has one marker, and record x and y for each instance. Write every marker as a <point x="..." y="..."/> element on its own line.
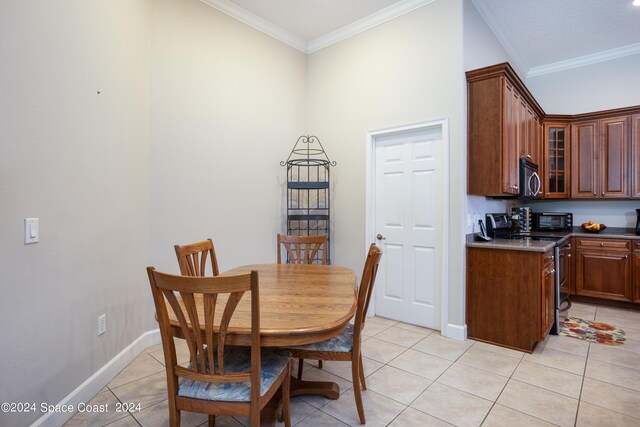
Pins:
<point x="593" y="227"/>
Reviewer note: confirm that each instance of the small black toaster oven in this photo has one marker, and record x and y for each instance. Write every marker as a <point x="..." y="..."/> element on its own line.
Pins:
<point x="552" y="221"/>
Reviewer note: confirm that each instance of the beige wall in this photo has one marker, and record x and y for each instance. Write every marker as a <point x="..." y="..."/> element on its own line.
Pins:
<point x="601" y="86"/>
<point x="407" y="70"/>
<point x="77" y="160"/>
<point x="481" y="49"/>
<point x="227" y="105"/>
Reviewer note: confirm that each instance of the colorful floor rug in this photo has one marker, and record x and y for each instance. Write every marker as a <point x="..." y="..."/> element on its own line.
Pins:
<point x="592" y="331"/>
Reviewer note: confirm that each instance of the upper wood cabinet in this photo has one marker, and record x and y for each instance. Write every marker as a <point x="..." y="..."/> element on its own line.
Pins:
<point x="600" y="158"/>
<point x="584" y="142"/>
<point x="529" y="135"/>
<point x="584" y="156"/>
<point x="556" y="176"/>
<point x="504" y="125"/>
<point x="635" y="156"/>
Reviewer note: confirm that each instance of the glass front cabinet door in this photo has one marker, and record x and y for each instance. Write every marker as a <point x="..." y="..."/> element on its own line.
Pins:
<point x="556" y="160"/>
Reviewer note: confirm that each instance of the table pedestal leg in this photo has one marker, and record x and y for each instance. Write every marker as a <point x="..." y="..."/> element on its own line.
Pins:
<point x="327" y="389"/>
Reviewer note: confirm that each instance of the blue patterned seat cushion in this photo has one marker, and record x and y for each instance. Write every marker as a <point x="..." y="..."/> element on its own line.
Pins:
<point x="343" y="343"/>
<point x="237" y="359"/>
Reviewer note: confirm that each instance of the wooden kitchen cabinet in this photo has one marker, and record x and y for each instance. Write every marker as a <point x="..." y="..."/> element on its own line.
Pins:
<point x="600" y="158"/>
<point x="510" y="302"/>
<point x="635" y="156"/>
<point x="635" y="271"/>
<point x="584" y="143"/>
<point x="556" y="175"/>
<point x="603" y="268"/>
<point x="547" y="317"/>
<point x="529" y="127"/>
<point x="504" y="125"/>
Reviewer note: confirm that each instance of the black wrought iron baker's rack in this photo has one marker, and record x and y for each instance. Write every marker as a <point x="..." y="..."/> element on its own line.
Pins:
<point x="309" y="190"/>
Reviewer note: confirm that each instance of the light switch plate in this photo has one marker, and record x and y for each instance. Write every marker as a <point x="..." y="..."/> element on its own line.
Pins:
<point x="31" y="230"/>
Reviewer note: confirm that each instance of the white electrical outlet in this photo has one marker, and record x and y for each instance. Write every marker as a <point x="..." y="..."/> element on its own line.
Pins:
<point x="102" y="324"/>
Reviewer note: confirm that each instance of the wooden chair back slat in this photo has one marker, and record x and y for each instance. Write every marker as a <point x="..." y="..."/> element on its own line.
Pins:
<point x="210" y="301"/>
<point x="165" y="287"/>
<point x="184" y="325"/>
<point x="303" y="249"/>
<point x="194" y="257"/>
<point x="229" y="308"/>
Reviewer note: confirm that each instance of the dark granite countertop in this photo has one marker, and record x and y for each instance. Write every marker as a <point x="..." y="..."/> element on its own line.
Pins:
<point x="545" y="245"/>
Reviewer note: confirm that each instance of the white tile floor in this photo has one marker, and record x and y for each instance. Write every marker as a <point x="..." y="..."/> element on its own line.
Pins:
<point x="416" y="377"/>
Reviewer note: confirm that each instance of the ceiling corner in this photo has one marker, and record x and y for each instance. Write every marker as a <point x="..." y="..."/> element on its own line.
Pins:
<point x="258" y="23"/>
<point x="501" y="35"/>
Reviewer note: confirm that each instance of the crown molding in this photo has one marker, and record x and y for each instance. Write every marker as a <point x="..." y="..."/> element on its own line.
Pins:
<point x="258" y="23"/>
<point x="516" y="60"/>
<point x="581" y="61"/>
<point x="366" y="23"/>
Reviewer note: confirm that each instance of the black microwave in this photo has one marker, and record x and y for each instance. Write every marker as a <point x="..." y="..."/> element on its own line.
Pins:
<point x="552" y="221"/>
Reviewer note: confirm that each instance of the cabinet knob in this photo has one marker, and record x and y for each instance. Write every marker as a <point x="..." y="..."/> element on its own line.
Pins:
<point x="515" y="187"/>
<point x="528" y="156"/>
<point x="602" y="194"/>
<point x="601" y="244"/>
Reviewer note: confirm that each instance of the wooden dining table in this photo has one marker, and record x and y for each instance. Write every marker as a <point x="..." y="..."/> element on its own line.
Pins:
<point x="299" y="304"/>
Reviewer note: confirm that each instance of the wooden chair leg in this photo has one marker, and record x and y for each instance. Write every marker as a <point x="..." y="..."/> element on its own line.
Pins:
<point x="286" y="398"/>
<point x="300" y="365"/>
<point x="174" y="414"/>
<point x="212" y="420"/>
<point x="364" y="384"/>
<point x="254" y="415"/>
<point x="355" y="376"/>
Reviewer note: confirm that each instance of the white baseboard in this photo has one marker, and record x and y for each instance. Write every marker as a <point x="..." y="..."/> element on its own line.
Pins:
<point x="101" y="378"/>
<point x="456" y="332"/>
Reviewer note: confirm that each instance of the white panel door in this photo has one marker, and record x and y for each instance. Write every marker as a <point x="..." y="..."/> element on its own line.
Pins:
<point x="408" y="192"/>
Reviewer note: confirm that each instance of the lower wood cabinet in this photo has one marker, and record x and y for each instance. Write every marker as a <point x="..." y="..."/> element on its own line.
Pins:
<point x="548" y="297"/>
<point x="603" y="269"/>
<point x="635" y="270"/>
<point x="510" y="296"/>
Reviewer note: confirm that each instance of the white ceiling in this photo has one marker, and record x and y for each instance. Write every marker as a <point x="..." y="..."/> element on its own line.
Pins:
<point x="545" y="36"/>
<point x="542" y="36"/>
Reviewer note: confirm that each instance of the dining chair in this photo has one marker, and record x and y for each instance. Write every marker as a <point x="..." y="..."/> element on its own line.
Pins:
<point x="220" y="379"/>
<point x="347" y="346"/>
<point x="192" y="258"/>
<point x="303" y="249"/>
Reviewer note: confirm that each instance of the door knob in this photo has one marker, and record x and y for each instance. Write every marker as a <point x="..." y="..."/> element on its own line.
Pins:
<point x="381" y="237"/>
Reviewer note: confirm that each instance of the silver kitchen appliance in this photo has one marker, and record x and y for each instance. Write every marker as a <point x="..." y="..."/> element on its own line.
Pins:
<point x="552" y="221"/>
<point x="524" y="218"/>
<point x="529" y="180"/>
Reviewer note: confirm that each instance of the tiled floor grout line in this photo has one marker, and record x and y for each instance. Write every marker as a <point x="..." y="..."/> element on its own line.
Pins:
<point x="495" y="402"/>
<point x="584" y="375"/>
<point x="422" y="335"/>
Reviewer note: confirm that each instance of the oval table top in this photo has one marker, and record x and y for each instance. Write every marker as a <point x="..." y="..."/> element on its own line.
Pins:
<point x="299" y="304"/>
